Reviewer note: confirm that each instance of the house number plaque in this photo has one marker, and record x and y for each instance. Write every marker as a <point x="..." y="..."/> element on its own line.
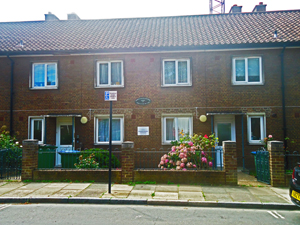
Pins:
<point x="143" y="101"/>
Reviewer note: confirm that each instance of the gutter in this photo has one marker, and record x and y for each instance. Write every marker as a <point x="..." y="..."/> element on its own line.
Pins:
<point x="11" y="95"/>
<point x="283" y="96"/>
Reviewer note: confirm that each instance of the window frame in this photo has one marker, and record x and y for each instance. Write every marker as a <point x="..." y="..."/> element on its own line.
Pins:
<point x="246" y="82"/>
<point x="97" y="83"/>
<point x="174" y="116"/>
<point x="96" y="124"/>
<point x="262" y="117"/>
<point x="31" y="120"/>
<point x="45" y="74"/>
<point x="189" y="76"/>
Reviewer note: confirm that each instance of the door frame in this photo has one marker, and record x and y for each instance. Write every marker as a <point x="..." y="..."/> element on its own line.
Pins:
<point x="225" y="119"/>
<point x="63" y="121"/>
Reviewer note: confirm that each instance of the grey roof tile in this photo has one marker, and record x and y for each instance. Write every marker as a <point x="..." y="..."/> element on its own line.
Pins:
<point x="157" y="32"/>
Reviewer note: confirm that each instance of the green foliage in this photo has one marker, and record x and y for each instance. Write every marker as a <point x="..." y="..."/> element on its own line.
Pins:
<point x="7" y="141"/>
<point x="87" y="162"/>
<point x="101" y="157"/>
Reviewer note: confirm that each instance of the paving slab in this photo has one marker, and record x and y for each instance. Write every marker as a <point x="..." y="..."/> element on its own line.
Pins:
<point x="271" y="199"/>
<point x="166" y="188"/>
<point x="56" y="185"/>
<point x="98" y="186"/>
<point x="18" y="193"/>
<point x="282" y="192"/>
<point x="116" y="194"/>
<point x="243" y="197"/>
<point x="119" y="187"/>
<point x="261" y="191"/>
<point x="189" y="188"/>
<point x="213" y="190"/>
<point x="66" y="193"/>
<point x="33" y="186"/>
<point x="2" y="183"/>
<point x="218" y="197"/>
<point x="140" y="194"/>
<point x="148" y="187"/>
<point x="237" y="189"/>
<point x="91" y="193"/>
<point x="191" y="196"/>
<point x="165" y="196"/>
<point x="76" y="186"/>
<point x="13" y="185"/>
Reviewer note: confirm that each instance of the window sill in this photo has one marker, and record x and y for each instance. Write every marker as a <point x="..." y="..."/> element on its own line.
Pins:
<point x="110" y="86"/>
<point x="106" y="143"/>
<point x="247" y="84"/>
<point x="43" y="88"/>
<point x="177" y="85"/>
<point x="166" y="143"/>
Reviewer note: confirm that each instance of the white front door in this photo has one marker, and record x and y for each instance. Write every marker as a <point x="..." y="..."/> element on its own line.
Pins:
<point x="225" y="131"/>
<point x="64" y="136"/>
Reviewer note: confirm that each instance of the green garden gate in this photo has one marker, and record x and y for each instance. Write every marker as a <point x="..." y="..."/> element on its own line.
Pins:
<point x="10" y="164"/>
<point x="263" y="166"/>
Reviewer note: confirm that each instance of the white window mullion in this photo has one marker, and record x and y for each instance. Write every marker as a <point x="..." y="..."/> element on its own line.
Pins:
<point x="176" y="71"/>
<point x="46" y="67"/>
<point x="246" y="70"/>
<point x="176" y="128"/>
<point x="109" y="73"/>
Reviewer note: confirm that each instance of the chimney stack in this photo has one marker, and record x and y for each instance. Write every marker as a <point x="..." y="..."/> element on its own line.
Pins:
<point x="50" y="17"/>
<point x="261" y="7"/>
<point x="73" y="16"/>
<point x="235" y="9"/>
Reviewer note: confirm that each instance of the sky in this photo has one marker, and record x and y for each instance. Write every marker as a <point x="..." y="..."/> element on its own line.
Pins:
<point x="30" y="10"/>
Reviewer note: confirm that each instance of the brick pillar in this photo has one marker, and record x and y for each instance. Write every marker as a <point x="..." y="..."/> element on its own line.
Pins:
<point x="29" y="158"/>
<point x="230" y="162"/>
<point x="277" y="173"/>
<point x="127" y="161"/>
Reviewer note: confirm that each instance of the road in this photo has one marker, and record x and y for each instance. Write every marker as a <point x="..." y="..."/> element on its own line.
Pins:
<point x="129" y="214"/>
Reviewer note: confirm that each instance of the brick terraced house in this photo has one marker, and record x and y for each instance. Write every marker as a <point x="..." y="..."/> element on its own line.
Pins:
<point x="237" y="72"/>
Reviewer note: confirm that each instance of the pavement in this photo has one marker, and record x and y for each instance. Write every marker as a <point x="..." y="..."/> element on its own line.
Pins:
<point x="248" y="194"/>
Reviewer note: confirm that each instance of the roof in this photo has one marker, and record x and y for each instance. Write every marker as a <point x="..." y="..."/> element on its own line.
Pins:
<point x="176" y="32"/>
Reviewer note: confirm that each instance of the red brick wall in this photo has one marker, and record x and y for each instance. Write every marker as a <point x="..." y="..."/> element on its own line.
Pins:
<point x="211" y="91"/>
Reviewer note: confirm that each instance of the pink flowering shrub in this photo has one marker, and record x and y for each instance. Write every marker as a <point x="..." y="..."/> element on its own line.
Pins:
<point x="189" y="153"/>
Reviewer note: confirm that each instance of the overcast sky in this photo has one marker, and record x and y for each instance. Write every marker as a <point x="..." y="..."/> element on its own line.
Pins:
<point x="28" y="10"/>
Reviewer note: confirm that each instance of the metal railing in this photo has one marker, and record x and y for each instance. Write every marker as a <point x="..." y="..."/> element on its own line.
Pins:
<point x="291" y="160"/>
<point x="150" y="160"/>
<point x="11" y="164"/>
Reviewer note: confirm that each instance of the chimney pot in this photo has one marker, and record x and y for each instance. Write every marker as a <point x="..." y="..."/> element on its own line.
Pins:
<point x="261" y="7"/>
<point x="73" y="16"/>
<point x="235" y="9"/>
<point x="50" y="17"/>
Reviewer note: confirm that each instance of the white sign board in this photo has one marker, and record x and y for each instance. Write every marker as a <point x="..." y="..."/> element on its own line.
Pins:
<point x="143" y="130"/>
<point x="110" y="96"/>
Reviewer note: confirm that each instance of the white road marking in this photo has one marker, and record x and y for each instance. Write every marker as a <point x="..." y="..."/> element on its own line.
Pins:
<point x="273" y="214"/>
<point x="278" y="215"/>
<point x="4" y="206"/>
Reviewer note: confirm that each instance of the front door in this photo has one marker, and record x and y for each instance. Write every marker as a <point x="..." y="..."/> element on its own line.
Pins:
<point x="64" y="136"/>
<point x="224" y="131"/>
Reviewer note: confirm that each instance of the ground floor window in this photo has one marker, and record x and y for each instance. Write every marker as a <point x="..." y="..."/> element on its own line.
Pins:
<point x="174" y="126"/>
<point x="256" y="128"/>
<point x="36" y="128"/>
<point x="102" y="129"/>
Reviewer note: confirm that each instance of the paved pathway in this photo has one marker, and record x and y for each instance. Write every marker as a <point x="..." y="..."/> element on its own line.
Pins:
<point x="248" y="191"/>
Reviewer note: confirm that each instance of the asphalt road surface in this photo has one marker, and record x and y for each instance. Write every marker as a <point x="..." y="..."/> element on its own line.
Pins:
<point x="129" y="214"/>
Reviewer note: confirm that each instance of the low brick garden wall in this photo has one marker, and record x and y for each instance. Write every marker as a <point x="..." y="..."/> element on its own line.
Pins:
<point x="78" y="175"/>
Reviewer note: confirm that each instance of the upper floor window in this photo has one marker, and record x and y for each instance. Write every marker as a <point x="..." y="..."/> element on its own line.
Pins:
<point x="44" y="75"/>
<point x="110" y="74"/>
<point x="256" y="128"/>
<point x="36" y="129"/>
<point x="176" y="72"/>
<point x="247" y="70"/>
<point x="102" y="129"/>
<point x="174" y="126"/>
